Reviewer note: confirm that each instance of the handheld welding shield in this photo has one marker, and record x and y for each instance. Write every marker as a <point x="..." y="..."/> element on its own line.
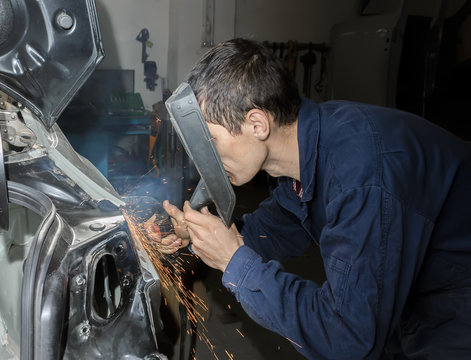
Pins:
<point x="190" y="125"/>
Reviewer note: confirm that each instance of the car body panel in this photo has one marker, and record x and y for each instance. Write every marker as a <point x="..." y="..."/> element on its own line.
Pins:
<point x="81" y="285"/>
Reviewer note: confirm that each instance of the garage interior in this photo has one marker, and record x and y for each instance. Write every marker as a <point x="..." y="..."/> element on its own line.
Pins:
<point x="413" y="55"/>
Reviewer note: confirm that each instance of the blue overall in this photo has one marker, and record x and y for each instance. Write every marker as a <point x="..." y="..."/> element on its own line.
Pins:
<point x="386" y="196"/>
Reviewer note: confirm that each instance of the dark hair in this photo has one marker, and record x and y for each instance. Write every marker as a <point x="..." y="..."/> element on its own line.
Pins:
<point x="239" y="75"/>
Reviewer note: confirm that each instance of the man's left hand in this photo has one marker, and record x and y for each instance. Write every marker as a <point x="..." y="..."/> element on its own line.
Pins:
<point x="211" y="240"/>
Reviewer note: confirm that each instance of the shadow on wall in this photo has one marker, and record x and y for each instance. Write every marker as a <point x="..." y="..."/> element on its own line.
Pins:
<point x="111" y="59"/>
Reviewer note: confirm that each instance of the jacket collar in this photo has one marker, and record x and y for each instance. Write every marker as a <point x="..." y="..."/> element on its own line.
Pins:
<point x="308" y="142"/>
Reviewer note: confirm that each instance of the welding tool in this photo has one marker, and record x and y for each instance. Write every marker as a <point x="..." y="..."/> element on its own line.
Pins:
<point x="190" y="125"/>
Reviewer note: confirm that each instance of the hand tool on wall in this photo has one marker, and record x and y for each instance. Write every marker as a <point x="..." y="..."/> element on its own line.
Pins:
<point x="291" y="57"/>
<point x="143" y="37"/>
<point x="150" y="67"/>
<point x="308" y="60"/>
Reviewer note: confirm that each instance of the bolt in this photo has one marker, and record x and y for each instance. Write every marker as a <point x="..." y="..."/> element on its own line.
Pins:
<point x="126" y="281"/>
<point x="64" y="20"/>
<point x="79" y="280"/>
<point x="97" y="226"/>
<point x="119" y="249"/>
<point x="85" y="329"/>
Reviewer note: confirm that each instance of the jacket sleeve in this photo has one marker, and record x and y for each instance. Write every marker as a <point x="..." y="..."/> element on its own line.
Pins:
<point x="273" y="232"/>
<point x="351" y="314"/>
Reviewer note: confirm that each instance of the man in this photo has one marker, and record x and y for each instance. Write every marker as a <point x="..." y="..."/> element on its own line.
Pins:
<point x="385" y="194"/>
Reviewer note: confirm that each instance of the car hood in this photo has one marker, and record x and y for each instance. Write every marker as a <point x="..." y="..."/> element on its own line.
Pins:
<point x="48" y="49"/>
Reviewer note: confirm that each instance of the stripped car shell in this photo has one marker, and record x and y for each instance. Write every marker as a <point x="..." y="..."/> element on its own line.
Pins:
<point x="76" y="284"/>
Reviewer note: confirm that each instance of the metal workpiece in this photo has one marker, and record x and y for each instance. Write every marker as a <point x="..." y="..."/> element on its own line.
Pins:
<point x="78" y="285"/>
<point x="36" y="264"/>
<point x="77" y="168"/>
<point x="89" y="224"/>
<point x="14" y="131"/>
<point x="190" y="125"/>
<point x="85" y="292"/>
<point x="31" y="149"/>
<point x="4" y="215"/>
<point x="42" y="68"/>
<point x="112" y="302"/>
<point x="99" y="300"/>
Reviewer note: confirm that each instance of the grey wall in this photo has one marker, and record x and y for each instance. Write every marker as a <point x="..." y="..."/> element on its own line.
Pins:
<point x="175" y="28"/>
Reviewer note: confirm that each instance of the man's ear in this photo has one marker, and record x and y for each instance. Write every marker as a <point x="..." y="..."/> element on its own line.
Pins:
<point x="258" y="122"/>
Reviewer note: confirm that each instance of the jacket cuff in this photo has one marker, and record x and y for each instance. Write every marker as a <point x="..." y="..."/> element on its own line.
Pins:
<point x="237" y="269"/>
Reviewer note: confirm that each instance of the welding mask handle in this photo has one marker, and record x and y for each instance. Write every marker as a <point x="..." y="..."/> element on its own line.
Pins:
<point x="199" y="199"/>
<point x="200" y="196"/>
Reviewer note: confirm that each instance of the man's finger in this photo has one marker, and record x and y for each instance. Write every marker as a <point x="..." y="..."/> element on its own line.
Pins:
<point x="193" y="216"/>
<point x="172" y="210"/>
<point x="197" y="233"/>
<point x="169" y="239"/>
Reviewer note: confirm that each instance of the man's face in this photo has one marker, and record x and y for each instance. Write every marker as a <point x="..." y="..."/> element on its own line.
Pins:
<point x="242" y="155"/>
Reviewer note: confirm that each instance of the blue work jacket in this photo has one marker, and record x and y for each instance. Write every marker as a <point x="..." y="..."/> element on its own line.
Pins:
<point x="386" y="196"/>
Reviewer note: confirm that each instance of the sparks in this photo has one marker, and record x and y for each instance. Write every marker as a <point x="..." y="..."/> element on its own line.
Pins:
<point x="170" y="274"/>
<point x="229" y="355"/>
<point x="294" y="343"/>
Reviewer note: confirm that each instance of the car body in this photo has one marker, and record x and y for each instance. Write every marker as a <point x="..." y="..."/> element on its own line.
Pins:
<point x="76" y="284"/>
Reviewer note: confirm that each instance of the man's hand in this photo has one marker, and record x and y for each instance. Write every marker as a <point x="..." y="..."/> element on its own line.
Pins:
<point x="169" y="244"/>
<point x="178" y="222"/>
<point x="212" y="241"/>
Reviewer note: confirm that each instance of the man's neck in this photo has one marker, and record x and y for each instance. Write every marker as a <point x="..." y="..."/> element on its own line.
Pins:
<point x="283" y="152"/>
